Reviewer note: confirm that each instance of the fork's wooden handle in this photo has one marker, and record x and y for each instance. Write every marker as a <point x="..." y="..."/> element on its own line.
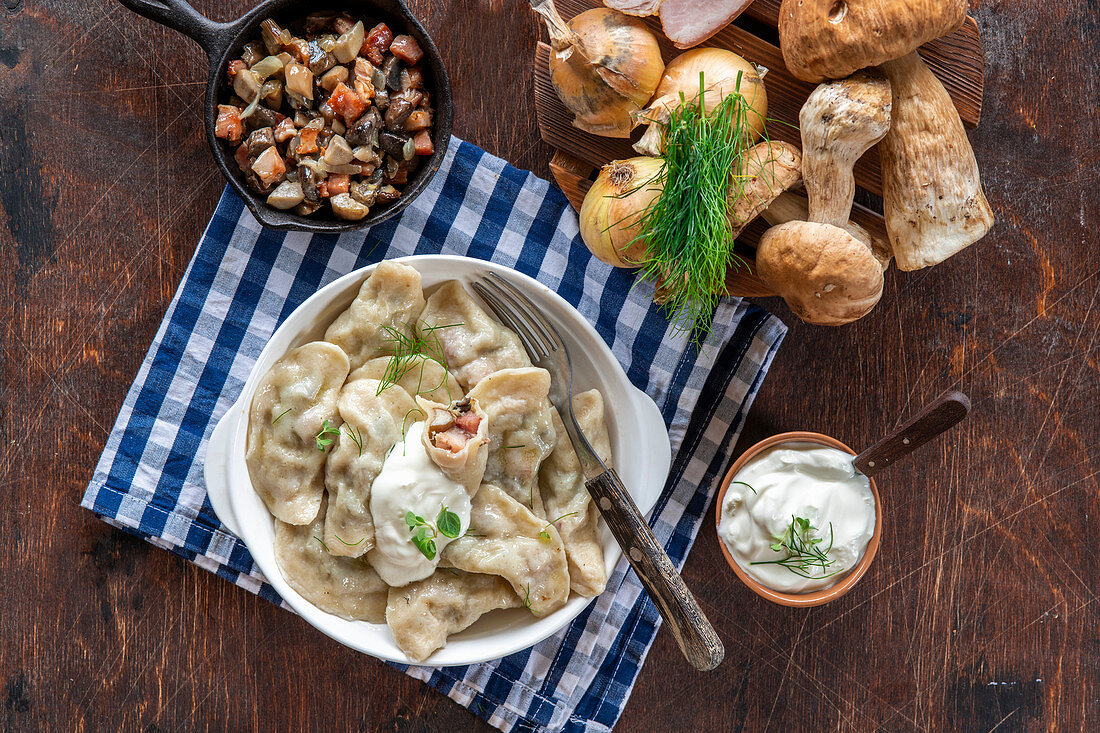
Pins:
<point x="697" y="638"/>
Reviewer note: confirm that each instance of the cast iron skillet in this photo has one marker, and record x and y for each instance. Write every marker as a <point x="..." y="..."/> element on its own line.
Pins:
<point x="224" y="41"/>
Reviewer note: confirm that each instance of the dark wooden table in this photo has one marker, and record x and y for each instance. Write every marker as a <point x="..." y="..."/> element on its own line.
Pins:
<point x="979" y="613"/>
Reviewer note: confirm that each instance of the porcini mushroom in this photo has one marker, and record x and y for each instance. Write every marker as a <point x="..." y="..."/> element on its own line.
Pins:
<point x="790" y="206"/>
<point x="829" y="39"/>
<point x="932" y="192"/>
<point x="840" y="121"/>
<point x="826" y="276"/>
<point x="767" y="170"/>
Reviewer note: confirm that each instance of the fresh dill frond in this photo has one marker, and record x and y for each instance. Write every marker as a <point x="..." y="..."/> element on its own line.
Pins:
<point x="804" y="553"/>
<point x="687" y="233"/>
<point x="356" y="436"/>
<point x="280" y="415"/>
<point x="410" y="345"/>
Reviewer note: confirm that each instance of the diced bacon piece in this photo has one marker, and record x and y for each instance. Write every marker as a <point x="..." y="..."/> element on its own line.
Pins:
<point x="322" y="189"/>
<point x="307" y="143"/>
<point x="346" y="103"/>
<point x="452" y="440"/>
<point x="337" y="183"/>
<point x="362" y="84"/>
<point x="235" y="67"/>
<point x="407" y="49"/>
<point x="420" y="119"/>
<point x="469" y="422"/>
<point x="228" y="126"/>
<point x="269" y="166"/>
<point x="422" y="143"/>
<point x="241" y="156"/>
<point x="378" y="40"/>
<point x="285" y="130"/>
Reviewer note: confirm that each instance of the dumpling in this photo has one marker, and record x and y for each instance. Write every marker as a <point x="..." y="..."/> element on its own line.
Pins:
<point x="373" y="423"/>
<point x="423" y="614"/>
<point x="474" y="343"/>
<point x="390" y="298"/>
<point x="521" y="431"/>
<point x="344" y="586"/>
<point x="457" y="439"/>
<point x="294" y="402"/>
<point x="567" y="500"/>
<point x="506" y="539"/>
<point x="416" y="374"/>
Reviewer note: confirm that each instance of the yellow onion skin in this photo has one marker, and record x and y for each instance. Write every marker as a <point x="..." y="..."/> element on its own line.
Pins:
<point x="611" y="214"/>
<point x="610" y="72"/>
<point x="720" y="68"/>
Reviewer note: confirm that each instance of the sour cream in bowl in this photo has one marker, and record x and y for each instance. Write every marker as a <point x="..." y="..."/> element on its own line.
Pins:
<point x="796" y="522"/>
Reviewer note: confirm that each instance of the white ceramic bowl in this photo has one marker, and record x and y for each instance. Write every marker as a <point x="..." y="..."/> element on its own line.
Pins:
<point x="639" y="440"/>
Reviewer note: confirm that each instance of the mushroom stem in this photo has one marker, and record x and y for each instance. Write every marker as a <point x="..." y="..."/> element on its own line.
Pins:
<point x="794" y="207"/>
<point x="840" y="121"/>
<point x="932" y="192"/>
<point x="767" y="170"/>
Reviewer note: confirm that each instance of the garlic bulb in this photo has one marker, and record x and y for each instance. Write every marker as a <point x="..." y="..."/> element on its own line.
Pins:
<point x="613" y="209"/>
<point x="604" y="65"/>
<point x="720" y="69"/>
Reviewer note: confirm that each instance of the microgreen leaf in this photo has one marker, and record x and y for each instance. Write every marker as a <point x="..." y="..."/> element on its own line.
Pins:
<point x="323" y="439"/>
<point x="424" y="543"/>
<point x="448" y="523"/>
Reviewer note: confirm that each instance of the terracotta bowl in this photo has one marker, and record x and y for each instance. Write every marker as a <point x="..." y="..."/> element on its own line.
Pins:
<point x="815" y="598"/>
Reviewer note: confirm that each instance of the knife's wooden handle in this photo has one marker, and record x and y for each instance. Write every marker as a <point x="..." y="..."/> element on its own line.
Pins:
<point x="697" y="638"/>
<point x="943" y="413"/>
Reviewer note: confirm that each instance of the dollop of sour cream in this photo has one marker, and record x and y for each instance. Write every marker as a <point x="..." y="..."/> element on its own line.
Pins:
<point x="411" y="481"/>
<point x="798" y="479"/>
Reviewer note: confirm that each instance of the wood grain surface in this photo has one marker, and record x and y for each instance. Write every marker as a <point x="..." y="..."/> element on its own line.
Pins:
<point x="978" y="614"/>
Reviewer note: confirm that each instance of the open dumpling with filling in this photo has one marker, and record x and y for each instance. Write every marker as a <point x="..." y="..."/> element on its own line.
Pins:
<point x="475" y="345"/>
<point x="345" y="586"/>
<point x="423" y="614"/>
<point x="521" y="431"/>
<point x="567" y="501"/>
<point x="390" y="298"/>
<point x="456" y="438"/>
<point x="293" y="403"/>
<point x="505" y="538"/>
<point x="373" y="422"/>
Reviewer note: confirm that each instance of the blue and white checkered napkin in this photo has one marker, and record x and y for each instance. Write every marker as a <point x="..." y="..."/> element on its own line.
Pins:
<point x="244" y="280"/>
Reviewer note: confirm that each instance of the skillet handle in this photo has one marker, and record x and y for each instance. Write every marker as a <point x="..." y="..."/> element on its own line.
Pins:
<point x="180" y="16"/>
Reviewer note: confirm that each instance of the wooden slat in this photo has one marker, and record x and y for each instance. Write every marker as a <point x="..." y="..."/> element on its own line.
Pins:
<point x="956" y="59"/>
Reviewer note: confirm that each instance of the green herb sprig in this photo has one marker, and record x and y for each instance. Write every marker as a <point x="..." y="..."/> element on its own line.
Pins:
<point x="527" y="597"/>
<point x="545" y="533"/>
<point x="425" y="533"/>
<point x="413" y="345"/>
<point x="280" y="415"/>
<point x="804" y="553"/>
<point x="356" y="436"/>
<point x="686" y="231"/>
<point x="323" y="439"/>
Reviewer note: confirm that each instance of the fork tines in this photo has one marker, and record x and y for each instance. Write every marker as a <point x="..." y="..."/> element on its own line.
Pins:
<point x="538" y="335"/>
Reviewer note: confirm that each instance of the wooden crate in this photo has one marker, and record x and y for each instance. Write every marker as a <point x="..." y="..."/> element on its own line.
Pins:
<point x="956" y="59"/>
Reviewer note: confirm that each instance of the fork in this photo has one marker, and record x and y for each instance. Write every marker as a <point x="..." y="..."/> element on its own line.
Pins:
<point x="693" y="632"/>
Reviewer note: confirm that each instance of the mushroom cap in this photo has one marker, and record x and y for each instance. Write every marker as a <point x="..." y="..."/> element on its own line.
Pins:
<point x="829" y="39"/>
<point x="826" y="276"/>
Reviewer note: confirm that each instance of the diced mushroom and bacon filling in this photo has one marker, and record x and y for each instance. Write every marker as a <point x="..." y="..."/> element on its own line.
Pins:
<point x="337" y="115"/>
<point x="450" y="429"/>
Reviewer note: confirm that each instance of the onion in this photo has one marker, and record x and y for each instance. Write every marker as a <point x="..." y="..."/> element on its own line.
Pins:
<point x="613" y="208"/>
<point x="720" y="69"/>
<point x="604" y="65"/>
